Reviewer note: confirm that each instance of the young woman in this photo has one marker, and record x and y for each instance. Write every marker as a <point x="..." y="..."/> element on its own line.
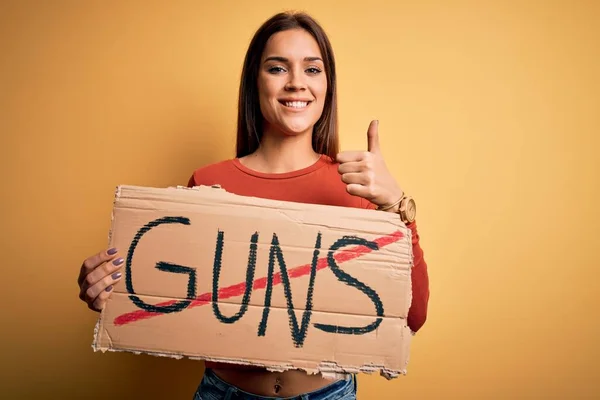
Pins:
<point x="287" y="149"/>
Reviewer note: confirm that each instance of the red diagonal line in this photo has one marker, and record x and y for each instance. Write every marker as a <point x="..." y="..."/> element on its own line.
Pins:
<point x="260" y="283"/>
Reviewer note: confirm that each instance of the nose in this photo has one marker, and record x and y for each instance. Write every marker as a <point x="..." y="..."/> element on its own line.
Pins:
<point x="295" y="81"/>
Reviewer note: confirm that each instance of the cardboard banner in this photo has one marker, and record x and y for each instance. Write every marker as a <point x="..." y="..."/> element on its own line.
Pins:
<point x="216" y="276"/>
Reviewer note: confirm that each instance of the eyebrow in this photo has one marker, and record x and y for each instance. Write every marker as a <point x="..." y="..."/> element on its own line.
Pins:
<point x="283" y="59"/>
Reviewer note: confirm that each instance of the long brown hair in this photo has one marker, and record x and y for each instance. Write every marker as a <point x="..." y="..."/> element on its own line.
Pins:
<point x="249" y="125"/>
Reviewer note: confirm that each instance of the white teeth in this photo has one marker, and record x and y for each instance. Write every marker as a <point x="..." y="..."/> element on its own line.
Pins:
<point x="296" y="104"/>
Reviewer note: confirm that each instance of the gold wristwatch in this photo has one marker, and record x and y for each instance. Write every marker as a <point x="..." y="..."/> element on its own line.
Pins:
<point x="407" y="209"/>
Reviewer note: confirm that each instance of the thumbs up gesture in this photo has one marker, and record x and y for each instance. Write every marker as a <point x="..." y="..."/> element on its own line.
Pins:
<point x="366" y="174"/>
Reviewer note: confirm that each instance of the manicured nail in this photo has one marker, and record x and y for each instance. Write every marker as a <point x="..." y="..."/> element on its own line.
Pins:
<point x="118" y="261"/>
<point x="109" y="288"/>
<point x="116" y="275"/>
<point x="112" y="251"/>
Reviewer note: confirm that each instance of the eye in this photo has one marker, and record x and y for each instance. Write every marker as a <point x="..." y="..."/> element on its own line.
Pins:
<point x="276" y="70"/>
<point x="313" y="70"/>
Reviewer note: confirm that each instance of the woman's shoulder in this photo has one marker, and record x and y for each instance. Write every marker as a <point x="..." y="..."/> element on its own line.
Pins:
<point x="215" y="171"/>
<point x="331" y="166"/>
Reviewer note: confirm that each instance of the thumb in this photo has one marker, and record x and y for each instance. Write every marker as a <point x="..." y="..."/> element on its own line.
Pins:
<point x="373" y="137"/>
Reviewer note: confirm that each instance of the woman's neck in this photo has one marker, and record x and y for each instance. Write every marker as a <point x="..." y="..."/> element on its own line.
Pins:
<point x="280" y="154"/>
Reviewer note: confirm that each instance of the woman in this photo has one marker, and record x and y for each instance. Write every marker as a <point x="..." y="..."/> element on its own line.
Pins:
<point x="287" y="149"/>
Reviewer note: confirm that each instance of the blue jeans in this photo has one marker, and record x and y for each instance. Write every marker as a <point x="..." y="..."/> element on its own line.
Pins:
<point x="214" y="388"/>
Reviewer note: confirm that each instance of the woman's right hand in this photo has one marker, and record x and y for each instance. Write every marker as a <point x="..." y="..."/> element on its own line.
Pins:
<point x="97" y="277"/>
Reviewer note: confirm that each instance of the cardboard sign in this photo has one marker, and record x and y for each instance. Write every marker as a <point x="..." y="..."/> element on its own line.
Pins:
<point x="221" y="277"/>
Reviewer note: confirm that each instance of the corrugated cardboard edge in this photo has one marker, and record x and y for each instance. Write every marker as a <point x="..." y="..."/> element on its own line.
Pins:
<point x="329" y="370"/>
<point x="97" y="328"/>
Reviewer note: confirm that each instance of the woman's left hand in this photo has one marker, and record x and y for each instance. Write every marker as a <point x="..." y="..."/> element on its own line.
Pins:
<point x="366" y="174"/>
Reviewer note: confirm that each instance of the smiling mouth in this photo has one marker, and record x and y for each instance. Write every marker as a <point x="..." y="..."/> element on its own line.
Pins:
<point x="295" y="104"/>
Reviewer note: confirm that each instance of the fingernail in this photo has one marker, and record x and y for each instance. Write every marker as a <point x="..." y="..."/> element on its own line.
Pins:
<point x="112" y="251"/>
<point x="118" y="261"/>
<point x="116" y="275"/>
<point x="109" y="288"/>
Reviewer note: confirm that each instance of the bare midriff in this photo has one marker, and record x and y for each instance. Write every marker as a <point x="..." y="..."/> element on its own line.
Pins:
<point x="261" y="382"/>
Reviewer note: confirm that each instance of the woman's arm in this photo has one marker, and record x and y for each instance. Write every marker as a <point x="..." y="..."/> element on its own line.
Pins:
<point x="417" y="314"/>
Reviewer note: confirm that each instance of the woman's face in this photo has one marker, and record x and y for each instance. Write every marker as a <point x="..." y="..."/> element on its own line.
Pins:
<point x="292" y="83"/>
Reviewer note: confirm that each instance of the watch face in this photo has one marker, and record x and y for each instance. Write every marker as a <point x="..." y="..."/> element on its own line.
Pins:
<point x="411" y="210"/>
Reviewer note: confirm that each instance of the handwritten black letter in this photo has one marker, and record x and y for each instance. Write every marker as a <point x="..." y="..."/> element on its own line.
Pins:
<point x="298" y="333"/>
<point x="249" y="279"/>
<point x="162" y="266"/>
<point x="351" y="281"/>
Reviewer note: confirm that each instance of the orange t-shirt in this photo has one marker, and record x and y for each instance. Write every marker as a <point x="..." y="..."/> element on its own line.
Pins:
<point x="319" y="183"/>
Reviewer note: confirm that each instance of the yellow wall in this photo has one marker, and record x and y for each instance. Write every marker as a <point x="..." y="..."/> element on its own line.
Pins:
<point x="489" y="117"/>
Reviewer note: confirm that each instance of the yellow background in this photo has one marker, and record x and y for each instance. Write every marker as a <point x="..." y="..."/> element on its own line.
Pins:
<point x="489" y="116"/>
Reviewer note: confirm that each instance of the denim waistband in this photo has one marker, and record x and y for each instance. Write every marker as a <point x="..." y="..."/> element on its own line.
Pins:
<point x="211" y="383"/>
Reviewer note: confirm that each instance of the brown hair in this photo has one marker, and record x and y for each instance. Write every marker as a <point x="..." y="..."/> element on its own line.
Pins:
<point x="249" y="125"/>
